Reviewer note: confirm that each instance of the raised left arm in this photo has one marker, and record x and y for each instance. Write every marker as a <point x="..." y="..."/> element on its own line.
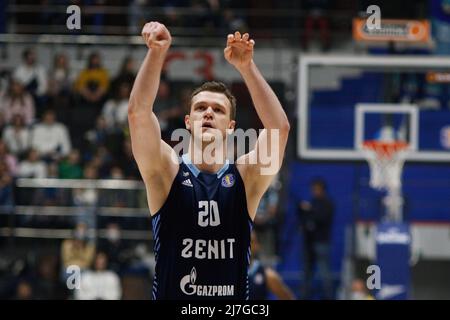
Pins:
<point x="261" y="164"/>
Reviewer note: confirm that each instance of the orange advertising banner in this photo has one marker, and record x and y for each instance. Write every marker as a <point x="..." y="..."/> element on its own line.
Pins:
<point x="438" y="77"/>
<point x="392" y="30"/>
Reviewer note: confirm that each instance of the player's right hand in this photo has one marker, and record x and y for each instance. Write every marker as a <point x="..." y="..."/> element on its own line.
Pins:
<point x="156" y="36"/>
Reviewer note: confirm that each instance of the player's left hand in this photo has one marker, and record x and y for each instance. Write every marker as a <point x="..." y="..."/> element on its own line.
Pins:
<point x="239" y="50"/>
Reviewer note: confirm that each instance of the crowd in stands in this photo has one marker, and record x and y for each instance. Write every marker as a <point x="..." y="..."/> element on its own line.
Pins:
<point x="57" y="124"/>
<point x="74" y="124"/>
<point x="187" y="17"/>
<point x="121" y="17"/>
<point x="83" y="269"/>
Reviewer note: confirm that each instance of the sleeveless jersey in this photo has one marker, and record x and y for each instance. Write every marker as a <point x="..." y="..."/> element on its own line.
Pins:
<point x="202" y="236"/>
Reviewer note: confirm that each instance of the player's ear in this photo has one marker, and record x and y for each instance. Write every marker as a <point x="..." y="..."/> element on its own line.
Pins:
<point x="187" y="122"/>
<point x="232" y="125"/>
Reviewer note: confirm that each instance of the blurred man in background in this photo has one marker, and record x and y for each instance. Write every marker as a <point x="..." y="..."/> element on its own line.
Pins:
<point x="316" y="219"/>
<point x="99" y="283"/>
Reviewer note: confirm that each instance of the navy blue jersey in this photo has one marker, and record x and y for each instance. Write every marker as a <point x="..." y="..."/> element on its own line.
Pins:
<point x="202" y="236"/>
<point x="258" y="281"/>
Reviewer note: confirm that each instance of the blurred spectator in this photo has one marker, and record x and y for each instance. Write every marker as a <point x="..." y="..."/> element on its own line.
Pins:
<point x="17" y="136"/>
<point x="86" y="198"/>
<point x="204" y="15"/>
<point x="93" y="82"/>
<point x="116" y="173"/>
<point x="78" y="250"/>
<point x="53" y="170"/>
<point x="231" y="22"/>
<point x="102" y="161"/>
<point x="53" y="197"/>
<point x="60" y="76"/>
<point x="115" y="110"/>
<point x="32" y="75"/>
<point x="60" y="87"/>
<point x="5" y="78"/>
<point x="316" y="218"/>
<point x="439" y="14"/>
<point x="3" y="124"/>
<point x="359" y="291"/>
<point x="97" y="18"/>
<point x="98" y="135"/>
<point x="47" y="285"/>
<point x="266" y="217"/>
<point x="112" y="197"/>
<point x="100" y="283"/>
<point x="166" y="109"/>
<point x="126" y="161"/>
<point x="118" y="198"/>
<point x="137" y="16"/>
<point x="17" y="101"/>
<point x="70" y="167"/>
<point x="6" y="188"/>
<point x="9" y="159"/>
<point x="50" y="138"/>
<point x="172" y="18"/>
<point x="264" y="280"/>
<point x="116" y="249"/>
<point x="317" y="12"/>
<point x="24" y="291"/>
<point x="127" y="74"/>
<point x="56" y="196"/>
<point x="32" y="166"/>
<point x="184" y="100"/>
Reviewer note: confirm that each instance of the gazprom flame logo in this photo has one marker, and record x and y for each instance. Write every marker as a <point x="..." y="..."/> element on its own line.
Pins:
<point x="188" y="282"/>
<point x="188" y="287"/>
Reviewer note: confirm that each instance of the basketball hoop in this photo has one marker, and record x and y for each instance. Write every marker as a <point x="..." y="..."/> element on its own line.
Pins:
<point x="386" y="159"/>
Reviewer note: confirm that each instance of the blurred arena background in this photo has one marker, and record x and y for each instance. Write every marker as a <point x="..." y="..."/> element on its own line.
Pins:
<point x="70" y="191"/>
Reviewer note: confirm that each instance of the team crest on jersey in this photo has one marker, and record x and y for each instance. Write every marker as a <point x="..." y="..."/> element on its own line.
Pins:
<point x="187" y="183"/>
<point x="185" y="174"/>
<point x="228" y="180"/>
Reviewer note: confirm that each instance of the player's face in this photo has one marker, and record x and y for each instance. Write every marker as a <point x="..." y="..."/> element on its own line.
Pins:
<point x="210" y="115"/>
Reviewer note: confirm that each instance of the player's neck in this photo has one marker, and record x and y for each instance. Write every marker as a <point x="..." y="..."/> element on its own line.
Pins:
<point x="205" y="160"/>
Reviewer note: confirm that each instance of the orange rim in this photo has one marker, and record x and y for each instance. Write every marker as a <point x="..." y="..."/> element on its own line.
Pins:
<point x="385" y="149"/>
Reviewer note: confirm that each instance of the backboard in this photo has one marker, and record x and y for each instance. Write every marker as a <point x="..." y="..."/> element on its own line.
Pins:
<point x="344" y="100"/>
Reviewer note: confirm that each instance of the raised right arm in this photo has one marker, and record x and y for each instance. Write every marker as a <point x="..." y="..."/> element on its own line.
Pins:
<point x="150" y="152"/>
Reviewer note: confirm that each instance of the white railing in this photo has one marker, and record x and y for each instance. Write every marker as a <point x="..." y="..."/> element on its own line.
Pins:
<point x="16" y="211"/>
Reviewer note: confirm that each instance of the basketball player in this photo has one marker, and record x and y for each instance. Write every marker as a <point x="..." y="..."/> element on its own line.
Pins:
<point x="264" y="280"/>
<point x="203" y="211"/>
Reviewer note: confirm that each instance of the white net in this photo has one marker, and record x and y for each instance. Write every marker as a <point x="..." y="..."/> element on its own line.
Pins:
<point x="386" y="160"/>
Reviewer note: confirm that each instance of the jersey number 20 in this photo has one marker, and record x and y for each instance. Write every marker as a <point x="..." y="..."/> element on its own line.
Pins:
<point x="208" y="214"/>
